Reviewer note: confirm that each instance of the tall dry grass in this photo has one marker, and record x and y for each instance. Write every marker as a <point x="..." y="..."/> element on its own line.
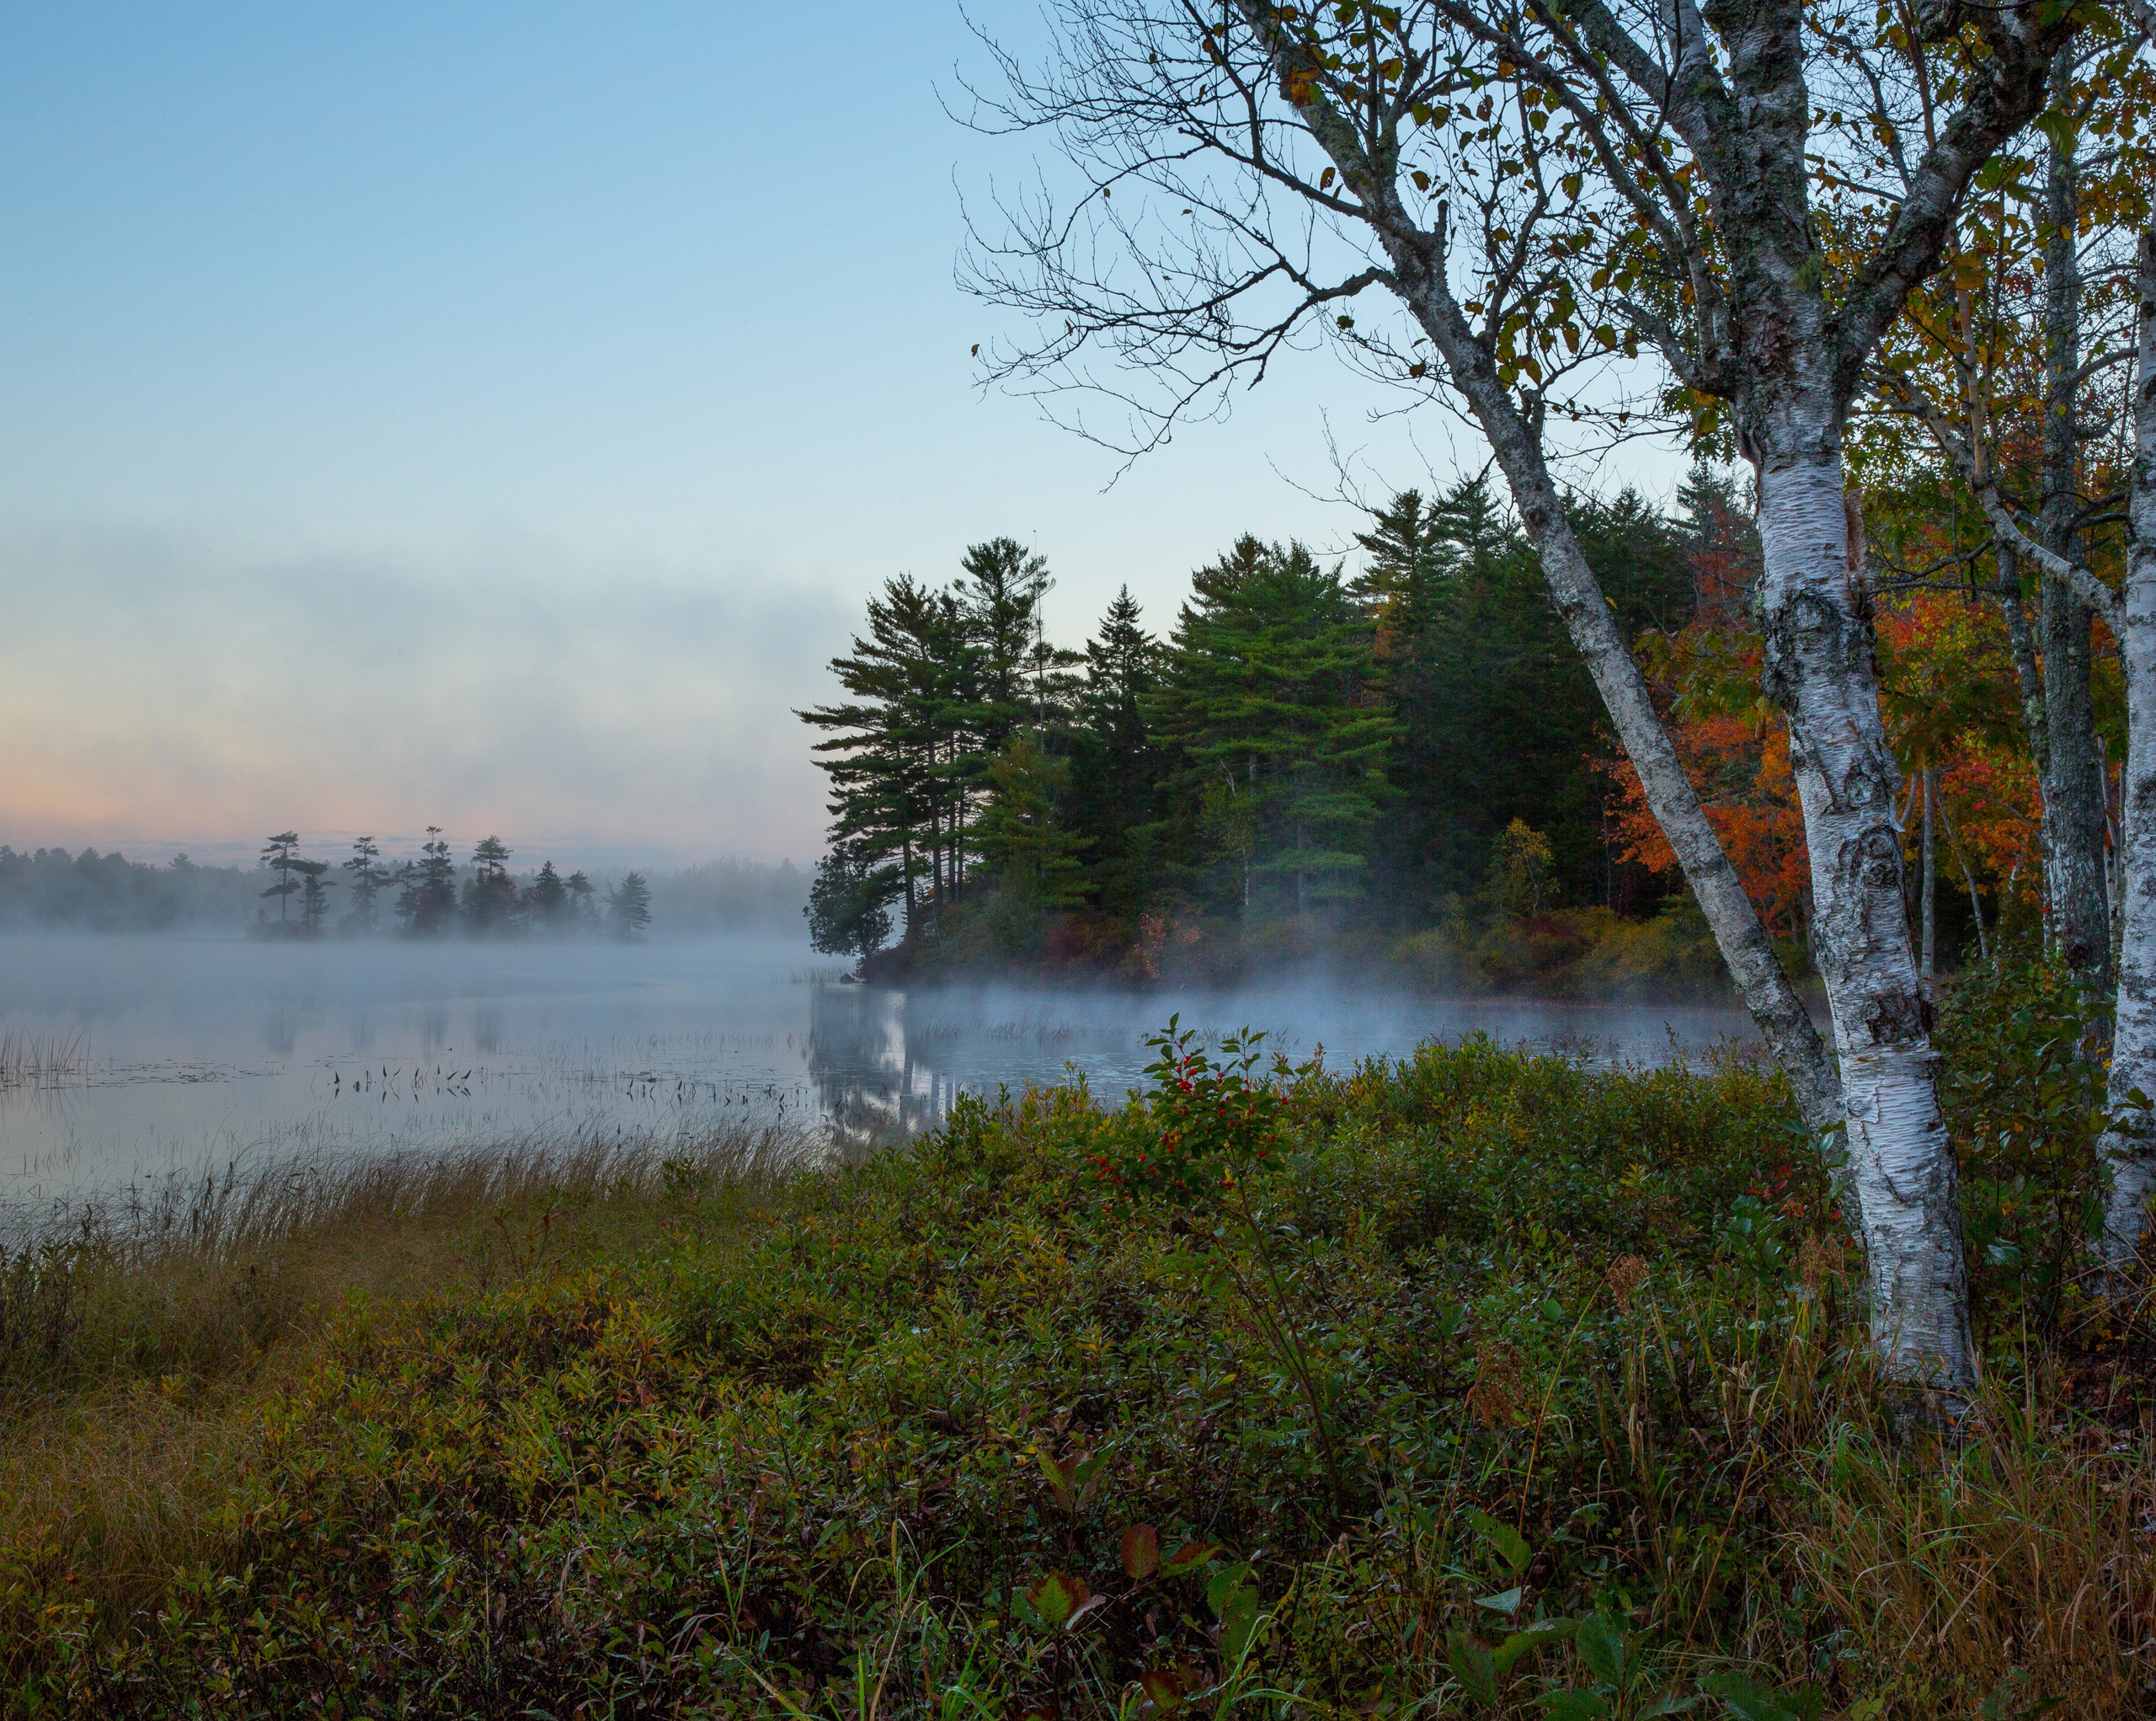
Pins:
<point x="2014" y="1575"/>
<point x="135" y="1328"/>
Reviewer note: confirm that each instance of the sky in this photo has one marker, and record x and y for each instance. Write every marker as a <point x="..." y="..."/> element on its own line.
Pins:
<point x="496" y="417"/>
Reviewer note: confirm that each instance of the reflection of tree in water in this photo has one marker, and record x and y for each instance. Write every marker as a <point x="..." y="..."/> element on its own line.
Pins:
<point x="280" y="1028"/>
<point x="872" y="1082"/>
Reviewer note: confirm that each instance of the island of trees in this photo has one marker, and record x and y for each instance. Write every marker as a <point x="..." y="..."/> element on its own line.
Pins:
<point x="433" y="896"/>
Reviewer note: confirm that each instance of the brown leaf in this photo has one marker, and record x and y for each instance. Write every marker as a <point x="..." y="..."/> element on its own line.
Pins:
<point x="1141" y="1551"/>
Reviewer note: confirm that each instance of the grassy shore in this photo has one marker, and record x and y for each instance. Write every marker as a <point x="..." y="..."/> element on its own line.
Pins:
<point x="1474" y="1384"/>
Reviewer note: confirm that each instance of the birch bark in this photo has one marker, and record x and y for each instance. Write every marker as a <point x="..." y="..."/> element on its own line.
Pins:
<point x="1927" y="887"/>
<point x="1820" y="669"/>
<point x="1783" y="1021"/>
<point x="2074" y="790"/>
<point x="2130" y="1146"/>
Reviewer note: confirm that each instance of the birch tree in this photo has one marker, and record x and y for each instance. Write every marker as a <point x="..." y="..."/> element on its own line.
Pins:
<point x="2131" y="1145"/>
<point x="1540" y="191"/>
<point x="2006" y="359"/>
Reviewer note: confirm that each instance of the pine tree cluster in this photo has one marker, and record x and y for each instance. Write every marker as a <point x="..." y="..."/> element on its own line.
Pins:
<point x="1301" y="749"/>
<point x="435" y="896"/>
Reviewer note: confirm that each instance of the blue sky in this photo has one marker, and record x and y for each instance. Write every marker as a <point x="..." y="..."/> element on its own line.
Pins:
<point x="494" y="416"/>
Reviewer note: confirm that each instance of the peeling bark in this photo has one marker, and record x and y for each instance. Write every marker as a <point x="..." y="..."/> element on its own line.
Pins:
<point x="1928" y="889"/>
<point x="1820" y="669"/>
<point x="2130" y="1146"/>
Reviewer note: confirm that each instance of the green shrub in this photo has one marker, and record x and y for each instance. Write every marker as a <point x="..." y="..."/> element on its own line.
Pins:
<point x="1496" y="1385"/>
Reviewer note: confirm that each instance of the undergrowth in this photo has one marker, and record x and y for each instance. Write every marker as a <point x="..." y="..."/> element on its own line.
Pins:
<point x="1475" y="1383"/>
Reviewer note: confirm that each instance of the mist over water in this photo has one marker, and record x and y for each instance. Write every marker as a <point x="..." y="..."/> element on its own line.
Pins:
<point x="153" y="1056"/>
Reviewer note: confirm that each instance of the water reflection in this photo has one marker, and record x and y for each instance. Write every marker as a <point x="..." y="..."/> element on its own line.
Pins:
<point x="203" y="1052"/>
<point x="870" y="1078"/>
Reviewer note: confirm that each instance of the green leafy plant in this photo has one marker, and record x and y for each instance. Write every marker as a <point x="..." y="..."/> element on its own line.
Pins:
<point x="1204" y="1118"/>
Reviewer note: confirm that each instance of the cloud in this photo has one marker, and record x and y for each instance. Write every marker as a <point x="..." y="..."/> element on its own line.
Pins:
<point x="166" y="688"/>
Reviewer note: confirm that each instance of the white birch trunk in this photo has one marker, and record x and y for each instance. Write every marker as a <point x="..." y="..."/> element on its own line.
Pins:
<point x="1901" y="1168"/>
<point x="1747" y="951"/>
<point x="2130" y="1145"/>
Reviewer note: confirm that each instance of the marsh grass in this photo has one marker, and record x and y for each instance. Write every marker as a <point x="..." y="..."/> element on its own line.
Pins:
<point x="136" y="1326"/>
<point x="42" y="1060"/>
<point x="2012" y="1573"/>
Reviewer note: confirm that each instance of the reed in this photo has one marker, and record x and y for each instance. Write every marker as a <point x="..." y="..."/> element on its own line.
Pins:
<point x="40" y="1060"/>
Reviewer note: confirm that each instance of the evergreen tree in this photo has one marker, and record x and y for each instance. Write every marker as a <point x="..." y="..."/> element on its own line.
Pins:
<point x="314" y="894"/>
<point x="365" y="886"/>
<point x="1720" y="539"/>
<point x="1498" y="719"/>
<point x="891" y="749"/>
<point x="279" y="854"/>
<point x="1023" y="840"/>
<point x="1115" y="765"/>
<point x="428" y="901"/>
<point x="490" y="902"/>
<point x="584" y="908"/>
<point x="1406" y="550"/>
<point x="547" y="899"/>
<point x="1000" y="593"/>
<point x="847" y="912"/>
<point x="1280" y="731"/>
<point x="628" y="907"/>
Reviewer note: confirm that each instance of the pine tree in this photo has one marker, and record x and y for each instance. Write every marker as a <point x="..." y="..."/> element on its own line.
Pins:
<point x="1115" y="764"/>
<point x="546" y="900"/>
<point x="1498" y="719"/>
<point x="890" y="749"/>
<point x="278" y="853"/>
<point x="628" y="907"/>
<point x="1721" y="540"/>
<point x="428" y="901"/>
<point x="490" y="903"/>
<point x="582" y="907"/>
<point x="314" y="894"/>
<point x="1270" y="701"/>
<point x="846" y="910"/>
<point x="1406" y="553"/>
<point x="1024" y="841"/>
<point x="365" y="886"/>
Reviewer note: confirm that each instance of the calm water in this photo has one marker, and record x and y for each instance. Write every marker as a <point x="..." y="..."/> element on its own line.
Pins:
<point x="193" y="1053"/>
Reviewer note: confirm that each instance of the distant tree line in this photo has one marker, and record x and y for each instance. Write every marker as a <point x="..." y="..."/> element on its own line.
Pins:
<point x="1303" y="761"/>
<point x="432" y="896"/>
<point x="92" y="892"/>
<point x="288" y="895"/>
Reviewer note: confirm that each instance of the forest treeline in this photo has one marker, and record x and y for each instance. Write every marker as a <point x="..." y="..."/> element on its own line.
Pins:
<point x="1411" y="761"/>
<point x="288" y="895"/>
<point x="1407" y="767"/>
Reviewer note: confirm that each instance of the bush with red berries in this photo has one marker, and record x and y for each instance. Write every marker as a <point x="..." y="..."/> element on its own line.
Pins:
<point x="1207" y="1114"/>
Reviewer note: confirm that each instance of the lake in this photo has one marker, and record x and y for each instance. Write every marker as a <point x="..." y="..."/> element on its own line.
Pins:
<point x="181" y="1054"/>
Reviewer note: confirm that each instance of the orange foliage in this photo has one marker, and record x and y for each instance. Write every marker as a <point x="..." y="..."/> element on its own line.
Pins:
<point x="1740" y="767"/>
<point x="1948" y="698"/>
